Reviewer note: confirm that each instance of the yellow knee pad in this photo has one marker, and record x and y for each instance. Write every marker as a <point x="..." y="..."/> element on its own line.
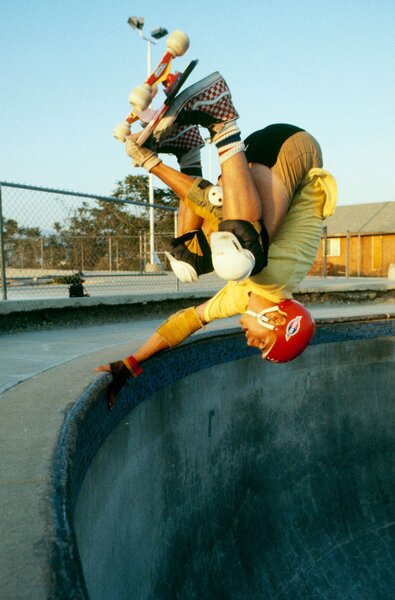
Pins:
<point x="180" y="326"/>
<point x="198" y="200"/>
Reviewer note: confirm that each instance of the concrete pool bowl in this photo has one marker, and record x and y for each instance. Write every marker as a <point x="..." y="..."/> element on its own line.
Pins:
<point x="219" y="476"/>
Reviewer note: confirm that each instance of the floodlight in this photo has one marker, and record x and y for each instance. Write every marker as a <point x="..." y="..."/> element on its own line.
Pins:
<point x="159" y="32"/>
<point x="136" y="22"/>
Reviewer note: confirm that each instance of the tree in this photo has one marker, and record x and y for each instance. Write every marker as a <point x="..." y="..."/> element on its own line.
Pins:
<point x="135" y="187"/>
<point x="102" y="236"/>
<point x="107" y="235"/>
<point x="23" y="245"/>
<point x="112" y="235"/>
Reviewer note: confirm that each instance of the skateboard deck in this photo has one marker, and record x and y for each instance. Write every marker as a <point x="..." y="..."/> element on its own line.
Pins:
<point x="157" y="116"/>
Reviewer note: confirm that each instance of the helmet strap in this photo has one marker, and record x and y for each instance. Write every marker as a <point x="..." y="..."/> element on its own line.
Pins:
<point x="262" y="318"/>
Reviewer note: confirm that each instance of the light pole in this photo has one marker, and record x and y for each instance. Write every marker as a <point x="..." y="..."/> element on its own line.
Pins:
<point x="210" y="158"/>
<point x="137" y="23"/>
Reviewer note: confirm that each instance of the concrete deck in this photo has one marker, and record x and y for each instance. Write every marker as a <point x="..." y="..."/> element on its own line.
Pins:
<point x="310" y="285"/>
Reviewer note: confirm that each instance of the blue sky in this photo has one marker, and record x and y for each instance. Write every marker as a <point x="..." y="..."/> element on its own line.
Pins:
<point x="67" y="68"/>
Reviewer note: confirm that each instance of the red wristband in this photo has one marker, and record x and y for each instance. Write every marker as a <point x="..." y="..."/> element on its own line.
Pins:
<point x="133" y="366"/>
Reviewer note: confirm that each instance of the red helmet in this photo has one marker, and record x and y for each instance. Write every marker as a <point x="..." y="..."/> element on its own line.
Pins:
<point x="293" y="335"/>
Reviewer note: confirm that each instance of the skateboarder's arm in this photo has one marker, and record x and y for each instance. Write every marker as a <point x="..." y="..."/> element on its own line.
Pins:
<point x="143" y="157"/>
<point x="177" y="328"/>
<point x="176" y="181"/>
<point x="170" y="334"/>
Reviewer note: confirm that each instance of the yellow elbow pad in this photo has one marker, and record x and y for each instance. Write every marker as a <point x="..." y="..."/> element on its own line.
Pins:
<point x="180" y="326"/>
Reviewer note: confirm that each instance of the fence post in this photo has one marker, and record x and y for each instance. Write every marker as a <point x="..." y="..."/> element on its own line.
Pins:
<point x="82" y="268"/>
<point x="2" y="252"/>
<point x="324" y="250"/>
<point x="110" y="253"/>
<point x="151" y="219"/>
<point x="141" y="260"/>
<point x="348" y="253"/>
<point x="42" y="252"/>
<point x="175" y="235"/>
<point x="359" y="256"/>
<point x="144" y="250"/>
<point x="116" y="254"/>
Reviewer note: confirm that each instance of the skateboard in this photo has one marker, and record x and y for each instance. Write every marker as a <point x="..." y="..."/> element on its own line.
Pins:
<point x="142" y="95"/>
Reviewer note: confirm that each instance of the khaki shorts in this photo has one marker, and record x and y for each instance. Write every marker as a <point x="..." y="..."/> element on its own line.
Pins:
<point x="299" y="153"/>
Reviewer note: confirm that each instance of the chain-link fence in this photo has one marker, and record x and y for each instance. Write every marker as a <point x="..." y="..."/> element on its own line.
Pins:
<point x="53" y="239"/>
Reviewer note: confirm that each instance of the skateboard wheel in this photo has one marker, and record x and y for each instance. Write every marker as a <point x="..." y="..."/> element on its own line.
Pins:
<point x="177" y="43"/>
<point x="121" y="131"/>
<point x="141" y="96"/>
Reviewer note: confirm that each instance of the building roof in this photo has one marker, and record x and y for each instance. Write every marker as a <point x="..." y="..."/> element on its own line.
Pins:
<point x="378" y="217"/>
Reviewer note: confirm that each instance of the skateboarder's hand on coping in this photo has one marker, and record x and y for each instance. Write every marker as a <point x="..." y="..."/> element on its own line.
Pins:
<point x="121" y="370"/>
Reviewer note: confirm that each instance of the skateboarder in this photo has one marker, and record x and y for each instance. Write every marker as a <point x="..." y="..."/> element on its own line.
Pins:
<point x="274" y="192"/>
